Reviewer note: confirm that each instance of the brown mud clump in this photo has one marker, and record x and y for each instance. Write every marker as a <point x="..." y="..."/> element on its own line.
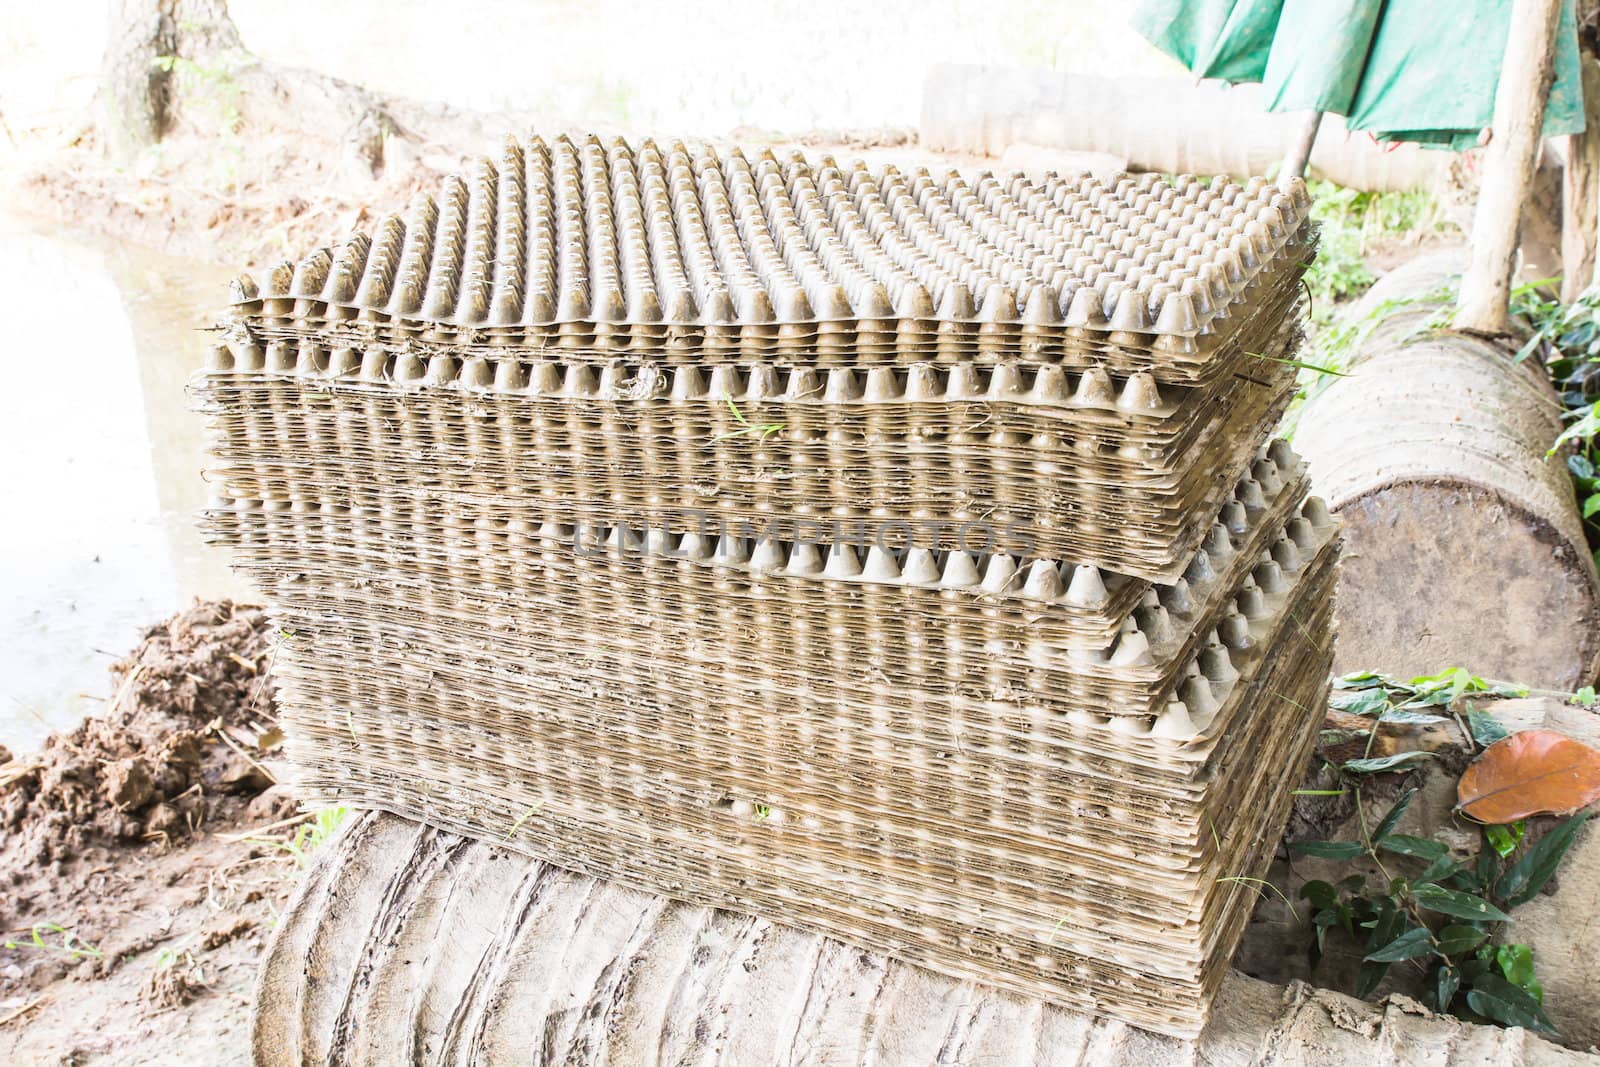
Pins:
<point x="178" y="749"/>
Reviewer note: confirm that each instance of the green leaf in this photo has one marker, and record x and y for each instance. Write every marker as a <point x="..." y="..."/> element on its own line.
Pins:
<point x="1329" y="850"/>
<point x="1495" y="998"/>
<point x="1528" y="349"/>
<point x="1408" y="946"/>
<point x="1458" y="938"/>
<point x="1585" y="696"/>
<point x="1437" y="871"/>
<point x="1392" y="817"/>
<point x="1403" y="717"/>
<point x="1522" y="881"/>
<point x="1406" y="845"/>
<point x="1320" y="894"/>
<point x="1446" y="687"/>
<point x="1446" y="982"/>
<point x="1385" y="763"/>
<point x="1486" y="729"/>
<point x="1327" y="738"/>
<point x="1369" y="976"/>
<point x="1461" y="905"/>
<point x="1484" y="871"/>
<point x="1358" y="680"/>
<point x="1351" y="883"/>
<point x="1516" y="963"/>
<point x="1504" y="839"/>
<point x="1591" y="505"/>
<point x="1360" y="701"/>
<point x="1385" y="928"/>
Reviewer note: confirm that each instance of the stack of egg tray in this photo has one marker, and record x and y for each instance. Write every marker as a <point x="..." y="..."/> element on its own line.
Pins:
<point x="889" y="555"/>
<point x="660" y="337"/>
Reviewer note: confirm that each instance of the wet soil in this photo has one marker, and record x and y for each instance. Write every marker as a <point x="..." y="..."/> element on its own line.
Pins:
<point x="141" y="857"/>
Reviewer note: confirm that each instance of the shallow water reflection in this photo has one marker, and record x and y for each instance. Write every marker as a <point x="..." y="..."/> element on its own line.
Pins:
<point x="101" y="466"/>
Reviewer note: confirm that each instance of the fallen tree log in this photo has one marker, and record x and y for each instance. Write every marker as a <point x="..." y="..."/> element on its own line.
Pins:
<point x="406" y="944"/>
<point x="1463" y="542"/>
<point x="1168" y="124"/>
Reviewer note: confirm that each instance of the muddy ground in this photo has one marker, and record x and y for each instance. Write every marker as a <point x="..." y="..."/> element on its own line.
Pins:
<point x="143" y="857"/>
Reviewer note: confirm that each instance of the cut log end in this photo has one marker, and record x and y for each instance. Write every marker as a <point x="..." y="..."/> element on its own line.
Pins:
<point x="1441" y="574"/>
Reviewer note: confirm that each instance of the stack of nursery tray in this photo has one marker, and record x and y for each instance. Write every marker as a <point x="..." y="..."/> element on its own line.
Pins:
<point x="657" y="337"/>
<point x="891" y="554"/>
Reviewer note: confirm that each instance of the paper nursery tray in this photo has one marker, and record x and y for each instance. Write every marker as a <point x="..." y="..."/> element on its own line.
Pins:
<point x="600" y="247"/>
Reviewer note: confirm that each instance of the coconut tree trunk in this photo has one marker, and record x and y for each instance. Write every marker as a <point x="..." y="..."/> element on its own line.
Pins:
<point x="406" y="944"/>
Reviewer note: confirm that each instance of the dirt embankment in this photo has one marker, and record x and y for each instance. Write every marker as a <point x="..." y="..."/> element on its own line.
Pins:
<point x="136" y="895"/>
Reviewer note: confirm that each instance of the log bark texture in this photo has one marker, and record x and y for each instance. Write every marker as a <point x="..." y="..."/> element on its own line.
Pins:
<point x="1580" y="191"/>
<point x="406" y="945"/>
<point x="1463" y="543"/>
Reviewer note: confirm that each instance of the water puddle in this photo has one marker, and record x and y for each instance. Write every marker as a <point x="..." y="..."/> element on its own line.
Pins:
<point x="101" y="460"/>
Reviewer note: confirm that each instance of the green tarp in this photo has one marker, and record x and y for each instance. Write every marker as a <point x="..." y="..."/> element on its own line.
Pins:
<point x="1405" y="70"/>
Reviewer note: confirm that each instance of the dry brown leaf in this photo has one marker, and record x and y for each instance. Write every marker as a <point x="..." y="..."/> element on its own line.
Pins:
<point x="1535" y="772"/>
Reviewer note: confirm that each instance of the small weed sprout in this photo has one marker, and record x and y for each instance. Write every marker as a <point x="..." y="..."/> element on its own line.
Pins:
<point x="176" y="975"/>
<point x="64" y="942"/>
<point x="522" y="820"/>
<point x="309" y="836"/>
<point x="746" y="427"/>
<point x="178" y="955"/>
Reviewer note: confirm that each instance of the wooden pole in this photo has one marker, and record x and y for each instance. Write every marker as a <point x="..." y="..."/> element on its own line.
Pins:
<point x="1508" y="164"/>
<point x="1580" y="191"/>
<point x="1299" y="157"/>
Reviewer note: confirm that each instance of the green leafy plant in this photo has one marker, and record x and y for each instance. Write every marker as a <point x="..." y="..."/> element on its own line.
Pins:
<point x="64" y="942"/>
<point x="1566" y="340"/>
<point x="1421" y="701"/>
<point x="1352" y="222"/>
<point x="1430" y="911"/>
